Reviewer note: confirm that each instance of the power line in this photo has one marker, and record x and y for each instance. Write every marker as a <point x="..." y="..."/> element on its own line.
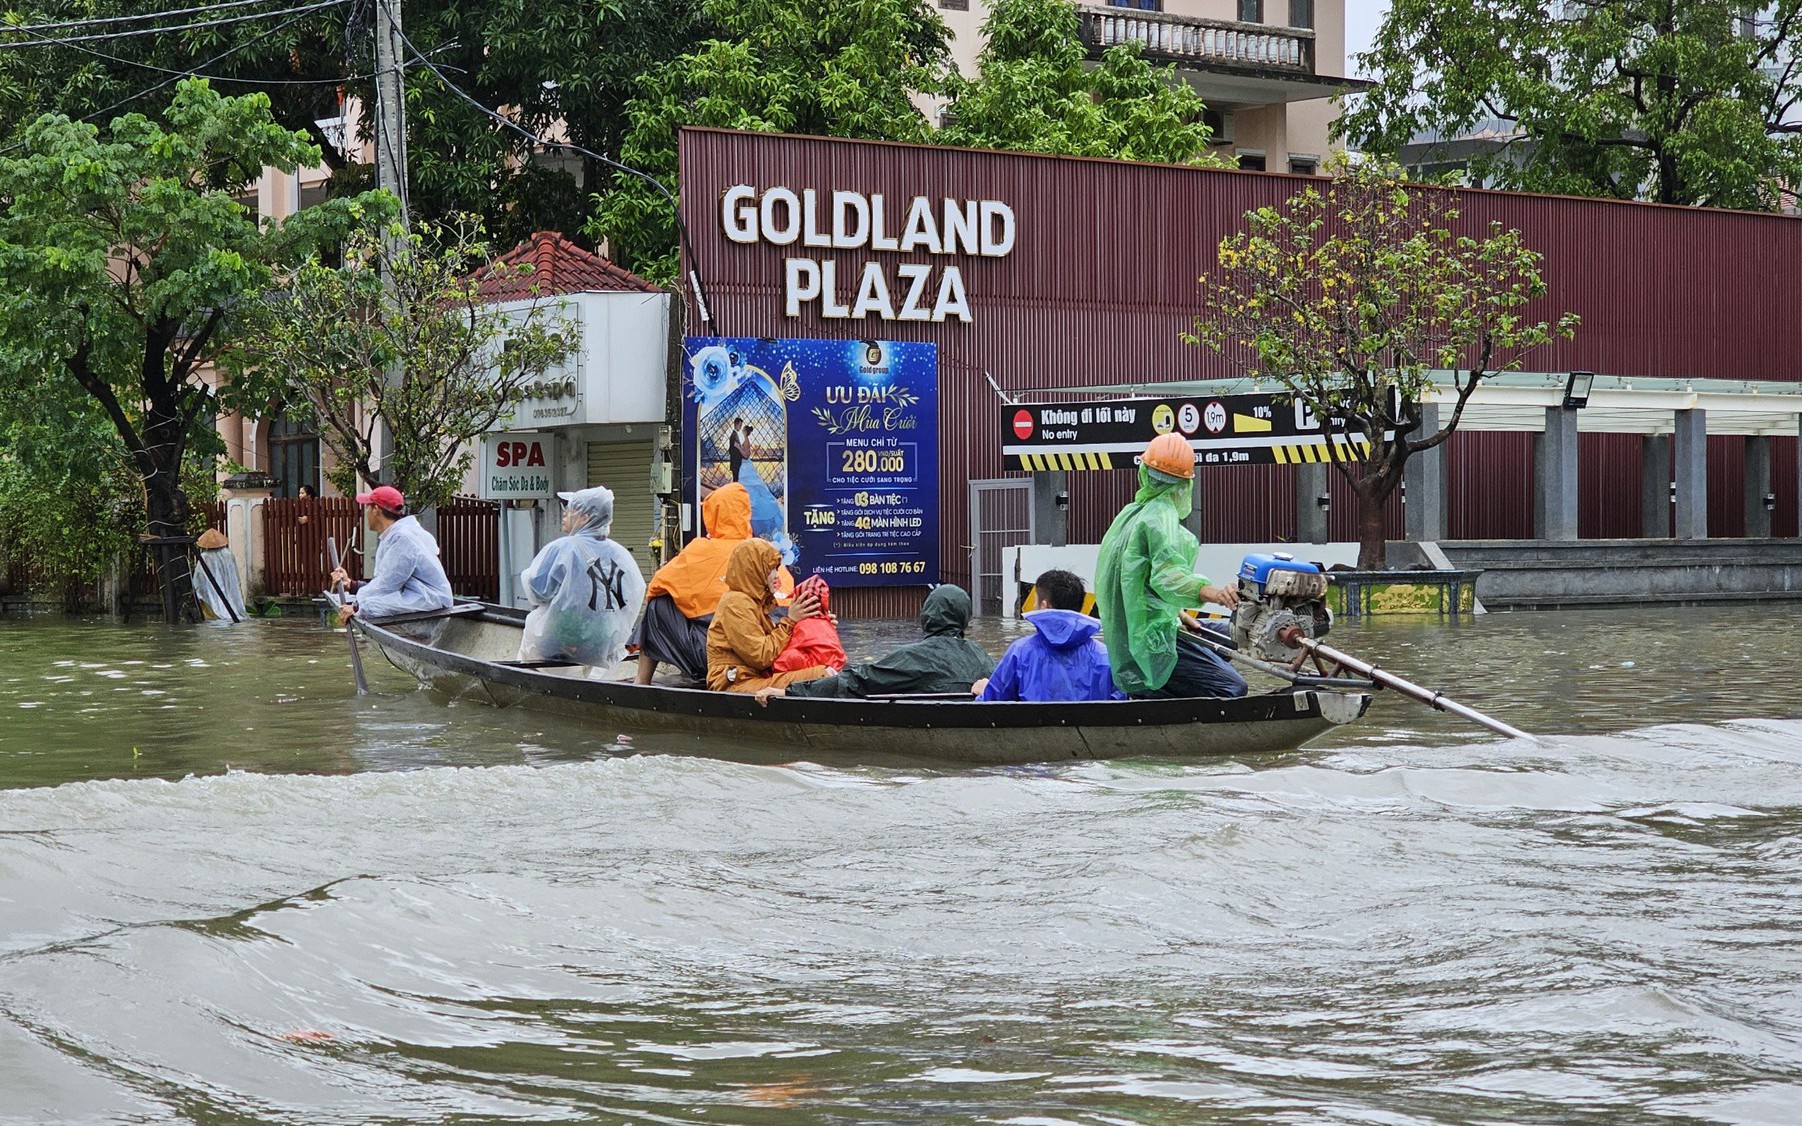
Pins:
<point x="147" y="91"/>
<point x="129" y="33"/>
<point x="694" y="272"/>
<point x="52" y="42"/>
<point x="150" y="15"/>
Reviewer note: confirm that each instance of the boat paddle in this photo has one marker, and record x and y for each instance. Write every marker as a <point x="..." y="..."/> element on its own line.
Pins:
<point x="333" y="596"/>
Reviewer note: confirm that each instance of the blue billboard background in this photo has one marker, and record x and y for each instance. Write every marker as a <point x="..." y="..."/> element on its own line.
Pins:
<point x="837" y="442"/>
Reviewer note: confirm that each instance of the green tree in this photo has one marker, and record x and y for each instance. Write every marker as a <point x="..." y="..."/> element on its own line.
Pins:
<point x="124" y="260"/>
<point x="1677" y="101"/>
<point x="564" y="68"/>
<point x="1352" y="296"/>
<point x="333" y="331"/>
<point x="830" y="68"/>
<point x="1035" y="91"/>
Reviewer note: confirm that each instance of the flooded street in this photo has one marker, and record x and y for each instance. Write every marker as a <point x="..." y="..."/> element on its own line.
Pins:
<point x="232" y="891"/>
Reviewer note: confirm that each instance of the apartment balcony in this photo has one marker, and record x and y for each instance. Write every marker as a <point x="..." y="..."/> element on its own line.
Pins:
<point x="1231" y="64"/>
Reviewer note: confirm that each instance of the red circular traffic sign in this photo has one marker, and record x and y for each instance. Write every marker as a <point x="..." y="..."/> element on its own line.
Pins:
<point x="1022" y="424"/>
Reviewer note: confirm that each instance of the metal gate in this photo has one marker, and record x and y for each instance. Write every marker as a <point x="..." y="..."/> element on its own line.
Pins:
<point x="1000" y="518"/>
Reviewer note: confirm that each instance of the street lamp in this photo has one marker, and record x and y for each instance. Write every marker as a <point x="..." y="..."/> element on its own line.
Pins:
<point x="1576" y="389"/>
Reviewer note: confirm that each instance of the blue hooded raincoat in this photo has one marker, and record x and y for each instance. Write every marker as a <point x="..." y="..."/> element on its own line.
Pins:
<point x="1061" y="660"/>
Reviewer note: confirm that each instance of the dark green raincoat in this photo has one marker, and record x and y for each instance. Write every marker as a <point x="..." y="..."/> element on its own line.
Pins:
<point x="944" y="661"/>
<point x="1146" y="575"/>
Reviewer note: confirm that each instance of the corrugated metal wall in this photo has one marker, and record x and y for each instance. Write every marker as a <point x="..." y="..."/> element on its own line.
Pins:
<point x="1102" y="283"/>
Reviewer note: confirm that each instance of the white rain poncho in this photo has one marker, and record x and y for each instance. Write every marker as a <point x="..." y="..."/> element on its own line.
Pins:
<point x="221" y="594"/>
<point x="408" y="576"/>
<point x="586" y="590"/>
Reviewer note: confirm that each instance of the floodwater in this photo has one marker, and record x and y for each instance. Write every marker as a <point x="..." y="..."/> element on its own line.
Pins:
<point x="231" y="891"/>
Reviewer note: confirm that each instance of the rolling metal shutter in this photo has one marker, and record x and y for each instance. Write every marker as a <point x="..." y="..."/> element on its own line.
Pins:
<point x="625" y="467"/>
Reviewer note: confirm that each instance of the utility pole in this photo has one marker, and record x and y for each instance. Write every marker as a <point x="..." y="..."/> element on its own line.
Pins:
<point x="391" y="104"/>
<point x="390" y="173"/>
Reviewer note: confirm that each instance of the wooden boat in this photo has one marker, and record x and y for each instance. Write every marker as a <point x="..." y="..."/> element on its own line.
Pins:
<point x="469" y="651"/>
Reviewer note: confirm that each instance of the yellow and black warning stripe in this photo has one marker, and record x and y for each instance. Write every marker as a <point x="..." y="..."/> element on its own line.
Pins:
<point x="1066" y="461"/>
<point x="1350" y="449"/>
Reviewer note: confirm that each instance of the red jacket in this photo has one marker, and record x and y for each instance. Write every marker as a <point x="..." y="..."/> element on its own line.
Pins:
<point x="815" y="640"/>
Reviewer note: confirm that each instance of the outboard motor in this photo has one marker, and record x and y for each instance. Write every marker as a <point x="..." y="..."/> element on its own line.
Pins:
<point x="1278" y="592"/>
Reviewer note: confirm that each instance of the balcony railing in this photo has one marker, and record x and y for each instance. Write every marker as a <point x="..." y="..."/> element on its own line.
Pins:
<point x="1189" y="39"/>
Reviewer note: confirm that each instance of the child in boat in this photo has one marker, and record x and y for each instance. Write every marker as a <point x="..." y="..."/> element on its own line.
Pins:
<point x="1062" y="659"/>
<point x="744" y="641"/>
<point x="943" y="661"/>
<point x="814" y="640"/>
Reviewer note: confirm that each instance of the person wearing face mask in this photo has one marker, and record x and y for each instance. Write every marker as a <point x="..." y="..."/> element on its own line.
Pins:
<point x="585" y="589"/>
<point x="744" y="640"/>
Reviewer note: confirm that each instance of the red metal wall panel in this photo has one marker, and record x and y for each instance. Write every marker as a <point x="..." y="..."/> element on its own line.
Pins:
<point x="1608" y="486"/>
<point x="1489" y="485"/>
<point x="1726" y="486"/>
<point x="1101" y="284"/>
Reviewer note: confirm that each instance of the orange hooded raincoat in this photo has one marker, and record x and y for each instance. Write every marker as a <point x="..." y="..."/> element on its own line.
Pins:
<point x="743" y="642"/>
<point x="696" y="577"/>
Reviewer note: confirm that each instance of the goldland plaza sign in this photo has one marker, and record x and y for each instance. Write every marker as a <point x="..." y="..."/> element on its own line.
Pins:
<point x="818" y="221"/>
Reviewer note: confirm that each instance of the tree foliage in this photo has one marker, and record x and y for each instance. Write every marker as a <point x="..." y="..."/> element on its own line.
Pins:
<point x="1351" y="297"/>
<point x="1678" y="101"/>
<point x="566" y="69"/>
<point x="332" y="332"/>
<point x="124" y="259"/>
<point x="830" y="68"/>
<point x="1034" y="92"/>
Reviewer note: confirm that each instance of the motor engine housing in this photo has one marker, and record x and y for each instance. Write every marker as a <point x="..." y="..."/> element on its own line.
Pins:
<point x="1278" y="592"/>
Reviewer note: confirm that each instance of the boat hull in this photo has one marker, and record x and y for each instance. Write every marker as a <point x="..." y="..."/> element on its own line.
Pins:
<point x="464" y="656"/>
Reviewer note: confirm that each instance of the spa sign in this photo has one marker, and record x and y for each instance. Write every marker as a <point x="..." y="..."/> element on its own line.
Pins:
<point x="816" y="223"/>
<point x="517" y="467"/>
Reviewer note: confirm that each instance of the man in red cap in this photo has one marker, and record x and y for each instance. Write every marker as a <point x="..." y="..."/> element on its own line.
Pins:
<point x="408" y="576"/>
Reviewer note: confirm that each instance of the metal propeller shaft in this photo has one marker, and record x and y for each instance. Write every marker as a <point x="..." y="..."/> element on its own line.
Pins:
<point x="1428" y="696"/>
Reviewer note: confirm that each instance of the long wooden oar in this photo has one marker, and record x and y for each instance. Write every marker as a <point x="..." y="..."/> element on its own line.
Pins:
<point x="333" y="596"/>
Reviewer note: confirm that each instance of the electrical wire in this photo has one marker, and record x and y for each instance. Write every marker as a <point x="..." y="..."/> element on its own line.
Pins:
<point x="150" y="15"/>
<point x="51" y="42"/>
<point x="147" y="91"/>
<point x="694" y="272"/>
<point x="134" y="32"/>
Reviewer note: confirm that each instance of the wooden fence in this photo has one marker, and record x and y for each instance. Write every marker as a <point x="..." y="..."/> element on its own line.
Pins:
<point x="295" y="559"/>
<point x="469" y="541"/>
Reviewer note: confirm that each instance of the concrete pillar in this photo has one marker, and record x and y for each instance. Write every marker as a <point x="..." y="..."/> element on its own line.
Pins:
<point x="1424" y="515"/>
<point x="1310" y="518"/>
<point x="1655" y="487"/>
<point x="1050" y="520"/>
<point x="1555" y="468"/>
<point x="1758" y="483"/>
<point x="1689" y="460"/>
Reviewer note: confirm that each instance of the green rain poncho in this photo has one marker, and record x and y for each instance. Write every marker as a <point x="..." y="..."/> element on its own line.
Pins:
<point x="943" y="661"/>
<point x="1146" y="576"/>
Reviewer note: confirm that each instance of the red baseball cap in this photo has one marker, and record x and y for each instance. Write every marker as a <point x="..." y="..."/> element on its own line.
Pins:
<point x="385" y="497"/>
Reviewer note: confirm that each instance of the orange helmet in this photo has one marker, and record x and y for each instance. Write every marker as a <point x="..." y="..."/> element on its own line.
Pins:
<point x="1170" y="454"/>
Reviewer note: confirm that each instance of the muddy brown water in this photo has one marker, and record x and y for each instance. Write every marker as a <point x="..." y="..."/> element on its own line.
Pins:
<point x="231" y="891"/>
